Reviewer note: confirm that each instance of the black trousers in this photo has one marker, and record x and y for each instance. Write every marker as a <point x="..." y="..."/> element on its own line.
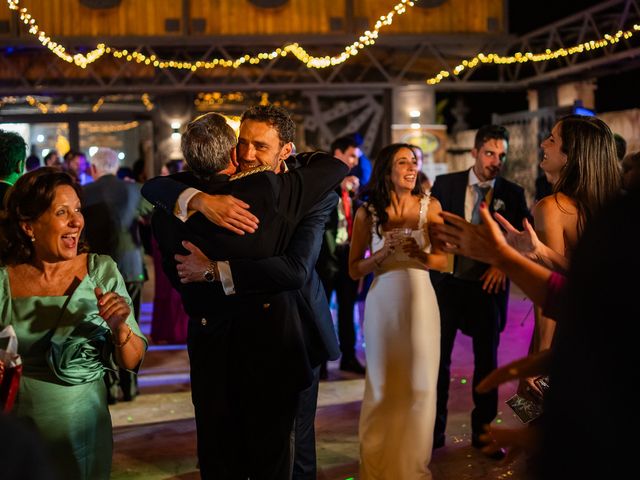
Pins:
<point x="244" y="406"/>
<point x="465" y="306"/>
<point x="346" y="294"/>
<point x="304" y="460"/>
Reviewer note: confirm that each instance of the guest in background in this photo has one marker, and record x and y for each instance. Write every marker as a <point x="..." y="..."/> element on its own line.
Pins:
<point x="474" y="299"/>
<point x="169" y="321"/>
<point x="362" y="169"/>
<point x="33" y="162"/>
<point x="333" y="262"/>
<point x="75" y="164"/>
<point x="52" y="159"/>
<point x="72" y="316"/>
<point x="631" y="172"/>
<point x="171" y="167"/>
<point x="111" y="209"/>
<point x="13" y="149"/>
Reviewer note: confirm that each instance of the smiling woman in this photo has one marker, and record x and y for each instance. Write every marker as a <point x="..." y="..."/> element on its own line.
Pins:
<point x="72" y="316"/>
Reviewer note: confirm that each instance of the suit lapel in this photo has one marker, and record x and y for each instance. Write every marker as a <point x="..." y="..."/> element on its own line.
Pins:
<point x="460" y="195"/>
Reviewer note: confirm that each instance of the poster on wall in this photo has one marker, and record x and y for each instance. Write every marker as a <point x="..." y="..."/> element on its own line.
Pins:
<point x="432" y="139"/>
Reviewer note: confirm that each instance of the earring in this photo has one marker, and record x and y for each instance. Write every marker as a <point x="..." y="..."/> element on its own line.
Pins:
<point x="33" y="239"/>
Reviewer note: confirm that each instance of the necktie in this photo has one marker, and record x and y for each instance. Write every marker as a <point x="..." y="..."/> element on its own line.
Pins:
<point x="346" y="205"/>
<point x="481" y="195"/>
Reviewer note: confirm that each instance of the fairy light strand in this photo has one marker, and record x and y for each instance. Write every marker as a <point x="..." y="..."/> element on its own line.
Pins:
<point x="367" y="39"/>
<point x="494" y="58"/>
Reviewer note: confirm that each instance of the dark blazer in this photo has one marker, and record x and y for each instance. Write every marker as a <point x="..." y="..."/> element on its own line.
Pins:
<point x="280" y="202"/>
<point x="295" y="267"/>
<point x="111" y="208"/>
<point x="508" y="200"/>
<point x="451" y="190"/>
<point x="328" y="263"/>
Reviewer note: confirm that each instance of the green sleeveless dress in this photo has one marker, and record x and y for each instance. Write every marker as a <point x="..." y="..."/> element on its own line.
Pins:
<point x="65" y="347"/>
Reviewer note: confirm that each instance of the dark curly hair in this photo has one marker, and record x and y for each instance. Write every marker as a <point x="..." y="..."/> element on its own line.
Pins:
<point x="275" y="116"/>
<point x="26" y="201"/>
<point x="378" y="191"/>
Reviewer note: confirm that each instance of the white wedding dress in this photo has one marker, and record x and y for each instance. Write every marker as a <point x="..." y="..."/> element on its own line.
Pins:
<point x="402" y="335"/>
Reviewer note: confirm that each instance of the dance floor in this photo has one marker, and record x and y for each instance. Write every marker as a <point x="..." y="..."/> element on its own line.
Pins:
<point x="155" y="434"/>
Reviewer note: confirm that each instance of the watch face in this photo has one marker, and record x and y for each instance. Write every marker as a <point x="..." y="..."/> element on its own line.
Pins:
<point x="209" y="276"/>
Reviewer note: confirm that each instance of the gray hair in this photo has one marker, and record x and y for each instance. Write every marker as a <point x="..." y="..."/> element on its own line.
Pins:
<point x="207" y="143"/>
<point x="105" y="161"/>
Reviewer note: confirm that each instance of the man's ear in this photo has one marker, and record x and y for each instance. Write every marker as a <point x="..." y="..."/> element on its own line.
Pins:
<point x="233" y="156"/>
<point x="474" y="153"/>
<point x="286" y="150"/>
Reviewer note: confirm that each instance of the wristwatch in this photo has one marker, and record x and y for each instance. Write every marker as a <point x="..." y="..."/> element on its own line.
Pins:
<point x="210" y="273"/>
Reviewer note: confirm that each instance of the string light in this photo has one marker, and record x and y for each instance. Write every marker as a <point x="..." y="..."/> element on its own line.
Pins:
<point x="34" y="102"/>
<point x="110" y="128"/>
<point x="146" y="101"/>
<point x="37" y="103"/>
<point x="97" y="105"/>
<point x="494" y="58"/>
<point x="367" y="39"/>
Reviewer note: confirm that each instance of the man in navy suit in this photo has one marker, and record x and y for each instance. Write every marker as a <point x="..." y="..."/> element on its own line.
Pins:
<point x="474" y="298"/>
<point x="265" y="140"/>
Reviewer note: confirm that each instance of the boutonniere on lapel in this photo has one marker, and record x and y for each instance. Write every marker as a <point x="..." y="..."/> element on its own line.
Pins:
<point x="498" y="205"/>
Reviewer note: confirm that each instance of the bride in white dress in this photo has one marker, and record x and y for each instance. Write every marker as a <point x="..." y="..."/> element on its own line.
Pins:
<point x="401" y="319"/>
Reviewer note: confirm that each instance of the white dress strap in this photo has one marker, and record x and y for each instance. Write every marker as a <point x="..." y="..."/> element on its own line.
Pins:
<point x="424" y="208"/>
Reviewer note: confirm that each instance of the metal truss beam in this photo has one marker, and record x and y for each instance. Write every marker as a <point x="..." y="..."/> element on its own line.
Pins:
<point x="395" y="60"/>
<point x="591" y="24"/>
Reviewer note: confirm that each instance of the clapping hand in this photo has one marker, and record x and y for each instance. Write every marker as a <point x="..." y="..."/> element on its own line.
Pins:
<point x="113" y="308"/>
<point x="192" y="267"/>
<point x="525" y="242"/>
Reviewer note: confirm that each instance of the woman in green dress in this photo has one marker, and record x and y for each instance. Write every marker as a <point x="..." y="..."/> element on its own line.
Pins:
<point x="72" y="317"/>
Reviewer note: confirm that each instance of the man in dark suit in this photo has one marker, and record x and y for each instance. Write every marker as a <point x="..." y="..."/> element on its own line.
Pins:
<point x="13" y="151"/>
<point x="278" y="345"/>
<point x="265" y="134"/>
<point x="333" y="263"/>
<point x="474" y="299"/>
<point x="111" y="208"/>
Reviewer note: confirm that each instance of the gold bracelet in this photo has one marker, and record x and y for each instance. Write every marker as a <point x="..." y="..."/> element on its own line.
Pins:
<point x="126" y="340"/>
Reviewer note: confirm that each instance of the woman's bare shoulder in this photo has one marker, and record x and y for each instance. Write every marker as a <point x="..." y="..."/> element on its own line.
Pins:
<point x="555" y="205"/>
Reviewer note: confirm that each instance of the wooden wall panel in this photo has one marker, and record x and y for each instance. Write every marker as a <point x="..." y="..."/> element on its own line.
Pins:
<point x="132" y="17"/>
<point x="238" y="17"/>
<point x="234" y="17"/>
<point x="453" y="16"/>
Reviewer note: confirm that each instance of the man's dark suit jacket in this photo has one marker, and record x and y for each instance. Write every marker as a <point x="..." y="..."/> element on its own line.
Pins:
<point x="328" y="264"/>
<point x="508" y="200"/>
<point x="111" y="208"/>
<point x="294" y="269"/>
<point x="280" y="202"/>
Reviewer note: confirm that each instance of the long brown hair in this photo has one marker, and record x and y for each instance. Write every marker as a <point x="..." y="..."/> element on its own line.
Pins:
<point x="591" y="176"/>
